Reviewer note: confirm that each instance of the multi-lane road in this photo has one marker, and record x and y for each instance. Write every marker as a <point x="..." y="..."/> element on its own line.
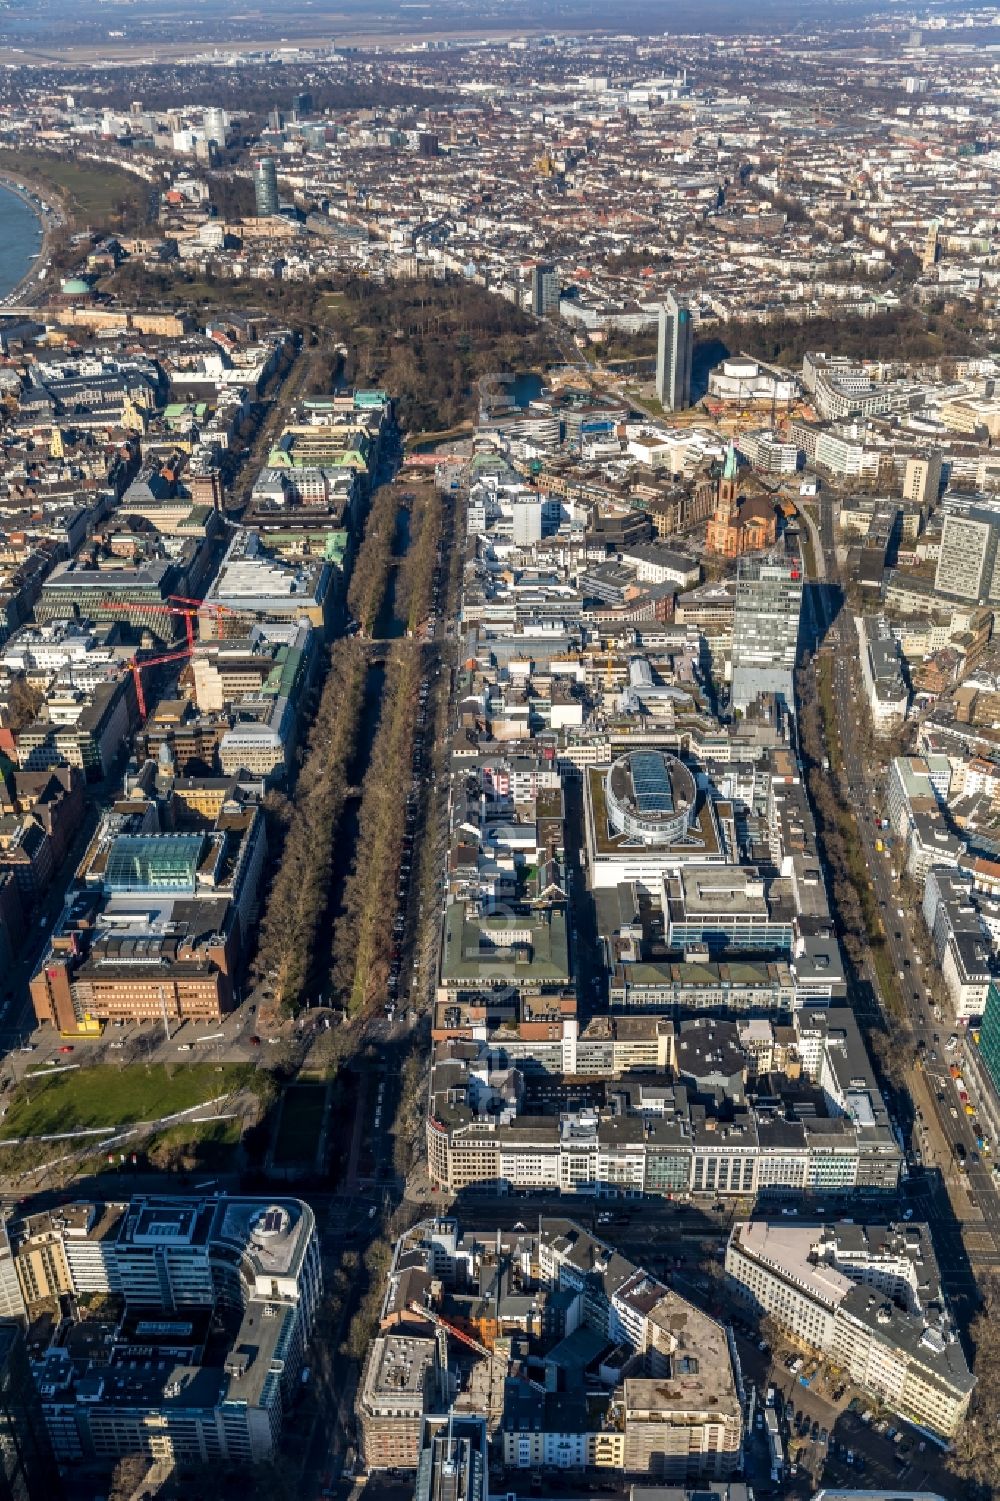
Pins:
<point x="939" y="1124"/>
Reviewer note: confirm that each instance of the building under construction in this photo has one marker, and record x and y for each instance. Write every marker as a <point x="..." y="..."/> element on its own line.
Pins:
<point x="568" y="1353"/>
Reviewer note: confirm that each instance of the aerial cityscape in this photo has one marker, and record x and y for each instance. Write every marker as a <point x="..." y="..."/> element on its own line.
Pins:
<point x="499" y="752"/>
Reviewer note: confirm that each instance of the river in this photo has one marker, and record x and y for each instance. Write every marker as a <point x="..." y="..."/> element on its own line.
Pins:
<point x="20" y="239"/>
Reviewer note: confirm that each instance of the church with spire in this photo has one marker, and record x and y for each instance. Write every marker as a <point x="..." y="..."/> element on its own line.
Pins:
<point x="739" y="525"/>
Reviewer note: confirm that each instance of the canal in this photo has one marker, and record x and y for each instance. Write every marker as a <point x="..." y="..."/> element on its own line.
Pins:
<point x="388" y="625"/>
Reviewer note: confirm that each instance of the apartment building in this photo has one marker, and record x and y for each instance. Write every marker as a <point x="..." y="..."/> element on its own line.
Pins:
<point x="870" y="1297"/>
<point x="675" y="1428"/>
<point x="403" y="1381"/>
<point x="664" y="1396"/>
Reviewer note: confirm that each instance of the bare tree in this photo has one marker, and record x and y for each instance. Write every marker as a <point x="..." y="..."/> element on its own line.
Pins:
<point x="976" y="1455"/>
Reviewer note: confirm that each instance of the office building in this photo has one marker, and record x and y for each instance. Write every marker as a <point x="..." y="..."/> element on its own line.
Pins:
<point x="967" y="561"/>
<point x="135" y="594"/>
<point x="403" y="1380"/>
<point x="870" y="1296"/>
<point x="253" y="581"/>
<point x="161" y="921"/>
<point x="766" y="625"/>
<point x="960" y="938"/>
<point x="674" y="346"/>
<point x="882" y="674"/>
<point x="544" y="290"/>
<point x="265" y="187"/>
<point x="683" y="1125"/>
<point x="727" y="908"/>
<point x="247" y="1271"/>
<point x="27" y="1465"/>
<point x="215" y="124"/>
<point x="989" y="1035"/>
<point x="11" y="1296"/>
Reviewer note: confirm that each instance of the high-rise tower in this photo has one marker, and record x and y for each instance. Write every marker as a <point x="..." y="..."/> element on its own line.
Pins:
<point x="674" y="346"/>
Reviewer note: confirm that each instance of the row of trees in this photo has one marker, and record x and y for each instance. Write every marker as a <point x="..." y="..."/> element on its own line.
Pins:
<point x="853" y="902"/>
<point x="408" y="1130"/>
<point x="371" y="567"/>
<point x="362" y="935"/>
<point x="300" y="890"/>
<point x="976" y="1454"/>
<point x="900" y="334"/>
<point x="415" y="584"/>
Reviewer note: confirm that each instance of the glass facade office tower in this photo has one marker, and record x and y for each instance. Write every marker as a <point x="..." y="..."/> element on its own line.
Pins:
<point x="674" y="345"/>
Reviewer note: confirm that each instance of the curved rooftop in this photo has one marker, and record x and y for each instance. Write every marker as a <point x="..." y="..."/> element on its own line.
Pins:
<point x="650" y="797"/>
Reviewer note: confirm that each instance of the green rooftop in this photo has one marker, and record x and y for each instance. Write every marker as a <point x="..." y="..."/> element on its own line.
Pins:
<point x="506" y="949"/>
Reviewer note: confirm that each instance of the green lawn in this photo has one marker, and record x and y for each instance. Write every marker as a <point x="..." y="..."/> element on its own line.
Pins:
<point x="300" y="1124"/>
<point x="96" y="189"/>
<point x="197" y="1148"/>
<point x="108" y="1096"/>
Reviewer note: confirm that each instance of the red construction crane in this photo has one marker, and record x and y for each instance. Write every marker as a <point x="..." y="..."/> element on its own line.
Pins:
<point x="493" y="1356"/>
<point x="189" y="616"/>
<point x="215" y="607"/>
<point x="452" y="1329"/>
<point x="137" y="669"/>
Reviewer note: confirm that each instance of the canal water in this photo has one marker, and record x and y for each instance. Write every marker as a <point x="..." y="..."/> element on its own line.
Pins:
<point x="388" y="625"/>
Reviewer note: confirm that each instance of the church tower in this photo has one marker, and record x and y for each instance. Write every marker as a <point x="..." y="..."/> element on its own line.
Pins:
<point x="723" y="529"/>
<point x="728" y="484"/>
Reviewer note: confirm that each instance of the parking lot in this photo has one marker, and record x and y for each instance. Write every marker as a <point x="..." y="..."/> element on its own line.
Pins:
<point x="831" y="1433"/>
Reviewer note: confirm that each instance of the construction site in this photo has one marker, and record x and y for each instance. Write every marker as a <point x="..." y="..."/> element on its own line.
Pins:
<point x="563" y="1349"/>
